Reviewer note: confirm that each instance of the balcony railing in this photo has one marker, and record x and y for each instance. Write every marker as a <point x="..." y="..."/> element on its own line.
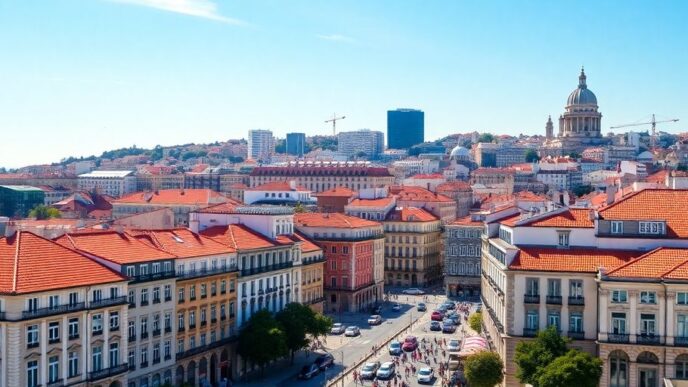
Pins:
<point x="681" y="341"/>
<point x="647" y="339"/>
<point x="576" y="335"/>
<point x="311" y="261"/>
<point x="203" y="273"/>
<point x="108" y="302"/>
<point x="152" y="276"/>
<point x="156" y="332"/>
<point x="203" y="348"/>
<point x="107" y="372"/>
<point x="55" y="383"/>
<point x="576" y="300"/>
<point x="618" y="337"/>
<point x="531" y="298"/>
<point x="529" y="332"/>
<point x="52" y="310"/>
<point x="264" y="269"/>
<point x="554" y="300"/>
<point x="315" y="300"/>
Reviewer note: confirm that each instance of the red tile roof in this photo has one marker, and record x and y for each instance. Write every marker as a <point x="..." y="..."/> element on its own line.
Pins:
<point x="411" y="214"/>
<point x="467" y="221"/>
<point x="310" y="170"/>
<point x="581" y="260"/>
<point x="492" y="171"/>
<point x="451" y="186"/>
<point x="652" y="204"/>
<point x="428" y="176"/>
<point x="117" y="247"/>
<point x="333" y="220"/>
<point x="29" y="263"/>
<point x="224" y="208"/>
<point x="571" y="218"/>
<point x="240" y="237"/>
<point x="381" y="202"/>
<point x="182" y="242"/>
<point x="307" y="246"/>
<point x="661" y="263"/>
<point x="277" y="186"/>
<point x="174" y="197"/>
<point x="337" y="192"/>
<point x="419" y="194"/>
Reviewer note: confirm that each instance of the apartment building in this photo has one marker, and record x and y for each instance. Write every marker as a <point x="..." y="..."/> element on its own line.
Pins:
<point x="112" y="183"/>
<point x="312" y="273"/>
<point x="369" y="142"/>
<point x="261" y="145"/>
<point x="151" y="306"/>
<point x="335" y="199"/>
<point x="439" y="205"/>
<point x="461" y="193"/>
<point x="412" y="248"/>
<point x="354" y="253"/>
<point x="278" y="192"/>
<point x="59" y="327"/>
<point x="462" y="245"/>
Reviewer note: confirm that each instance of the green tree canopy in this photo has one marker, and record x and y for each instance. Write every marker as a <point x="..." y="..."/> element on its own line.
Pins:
<point x="574" y="369"/>
<point x="262" y="340"/>
<point x="533" y="356"/>
<point x="42" y="212"/>
<point x="486" y="137"/>
<point x="475" y="321"/>
<point x="294" y="319"/>
<point x="484" y="369"/>
<point x="532" y="156"/>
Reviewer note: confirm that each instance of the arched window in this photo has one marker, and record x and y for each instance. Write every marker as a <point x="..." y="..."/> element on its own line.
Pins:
<point x="681" y="363"/>
<point x="618" y="369"/>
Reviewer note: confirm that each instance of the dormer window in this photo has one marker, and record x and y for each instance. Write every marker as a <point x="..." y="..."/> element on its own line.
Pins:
<point x="563" y="238"/>
<point x="617" y="227"/>
<point x="655" y="228"/>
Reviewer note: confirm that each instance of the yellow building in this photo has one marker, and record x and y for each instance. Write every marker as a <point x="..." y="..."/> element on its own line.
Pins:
<point x="312" y="268"/>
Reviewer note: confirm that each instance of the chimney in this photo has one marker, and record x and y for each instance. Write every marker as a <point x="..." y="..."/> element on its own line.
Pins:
<point x="611" y="194"/>
<point x="7" y="227"/>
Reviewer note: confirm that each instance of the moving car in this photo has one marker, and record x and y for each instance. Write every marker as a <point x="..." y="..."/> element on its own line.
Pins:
<point x="425" y="375"/>
<point x="375" y="319"/>
<point x="413" y="291"/>
<point x="410" y="344"/>
<point x="386" y="370"/>
<point x="337" y="329"/>
<point x="323" y="361"/>
<point x="453" y="363"/>
<point x="437" y="315"/>
<point x="450" y="305"/>
<point x="369" y="369"/>
<point x="448" y="326"/>
<point x="453" y="345"/>
<point x="351" y="331"/>
<point x="396" y="307"/>
<point x="435" y="326"/>
<point x="394" y="348"/>
<point x="421" y="307"/>
<point x="308" y="371"/>
<point x="454" y="317"/>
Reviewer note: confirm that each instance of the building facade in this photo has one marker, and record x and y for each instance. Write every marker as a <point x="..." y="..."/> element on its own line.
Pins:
<point x="462" y="245"/>
<point x="370" y="143"/>
<point x="112" y="183"/>
<point x="405" y="128"/>
<point x="18" y="200"/>
<point x="261" y="145"/>
<point x="296" y="144"/>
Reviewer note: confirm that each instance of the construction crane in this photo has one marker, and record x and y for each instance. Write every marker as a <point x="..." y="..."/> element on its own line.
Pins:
<point x="654" y="122"/>
<point x="334" y="120"/>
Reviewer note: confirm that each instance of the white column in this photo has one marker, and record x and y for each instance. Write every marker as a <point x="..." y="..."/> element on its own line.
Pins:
<point x="43" y="361"/>
<point x="633" y="299"/>
<point x="106" y="339"/>
<point x="604" y="314"/>
<point x="670" y="301"/>
<point x="64" y="361"/>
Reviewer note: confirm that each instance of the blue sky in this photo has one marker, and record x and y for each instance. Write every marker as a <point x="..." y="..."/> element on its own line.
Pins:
<point x="81" y="76"/>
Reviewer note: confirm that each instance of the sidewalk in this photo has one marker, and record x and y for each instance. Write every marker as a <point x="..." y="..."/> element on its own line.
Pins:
<point x="278" y="372"/>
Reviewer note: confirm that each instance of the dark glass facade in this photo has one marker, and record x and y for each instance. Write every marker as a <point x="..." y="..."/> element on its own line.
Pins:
<point x="405" y="128"/>
<point x="296" y="143"/>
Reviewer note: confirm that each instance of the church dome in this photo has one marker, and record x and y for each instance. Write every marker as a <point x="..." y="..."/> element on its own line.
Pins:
<point x="459" y="153"/>
<point x="582" y="95"/>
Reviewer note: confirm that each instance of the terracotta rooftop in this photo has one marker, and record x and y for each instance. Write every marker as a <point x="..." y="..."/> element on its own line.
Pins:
<point x="240" y="237"/>
<point x="337" y="192"/>
<point x="454" y="186"/>
<point x="182" y="242"/>
<point x="571" y="218"/>
<point x="467" y="221"/>
<point x="223" y="208"/>
<point x="410" y="214"/>
<point x="652" y="204"/>
<point x="307" y="245"/>
<point x="411" y="193"/>
<point x="381" y="202"/>
<point x="29" y="263"/>
<point x="276" y="186"/>
<point x="493" y="171"/>
<point x="333" y="220"/>
<point x="174" y="197"/>
<point x="581" y="260"/>
<point x="317" y="170"/>
<point x="118" y="247"/>
<point x="661" y="263"/>
<point x="428" y="176"/>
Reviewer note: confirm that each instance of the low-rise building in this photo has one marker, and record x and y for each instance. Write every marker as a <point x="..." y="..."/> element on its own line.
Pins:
<point x="278" y="192"/>
<point x="335" y="199"/>
<point x="18" y="200"/>
<point x="112" y="183"/>
<point x="312" y="273"/>
<point x="439" y="205"/>
<point x="461" y="193"/>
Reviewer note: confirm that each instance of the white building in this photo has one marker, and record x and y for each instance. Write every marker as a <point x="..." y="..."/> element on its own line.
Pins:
<point x="369" y="142"/>
<point x="113" y="183"/>
<point x="261" y="145"/>
<point x="278" y="192"/>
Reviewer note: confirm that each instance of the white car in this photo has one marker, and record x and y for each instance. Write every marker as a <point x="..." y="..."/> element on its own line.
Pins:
<point x="425" y="375"/>
<point x="385" y="371"/>
<point x="369" y="369"/>
<point x="413" y="291"/>
<point x="352" y="331"/>
<point x="337" y="329"/>
<point x="375" y="319"/>
<point x="453" y="345"/>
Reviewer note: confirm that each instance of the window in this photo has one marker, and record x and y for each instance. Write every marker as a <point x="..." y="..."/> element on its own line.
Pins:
<point x="334" y="282"/>
<point x="619" y="296"/>
<point x="192" y="318"/>
<point x="180" y="295"/>
<point x="53" y="302"/>
<point x="180" y="321"/>
<point x="53" y="332"/>
<point x="32" y="304"/>
<point x="144" y="326"/>
<point x="192" y="292"/>
<point x="97" y="358"/>
<point x="132" y="298"/>
<point x="334" y="249"/>
<point x="53" y="369"/>
<point x="97" y="325"/>
<point x="114" y="320"/>
<point x="168" y="321"/>
<point x="563" y="238"/>
<point x="651" y="227"/>
<point x="681" y="363"/>
<point x="73" y="298"/>
<point x="168" y="292"/>
<point x="97" y="295"/>
<point x="32" y="336"/>
<point x="32" y="373"/>
<point x="180" y="345"/>
<point x="131" y="271"/>
<point x="505" y="235"/>
<point x="204" y="290"/>
<point x="619" y="323"/>
<point x="156" y="294"/>
<point x="554" y="287"/>
<point x="554" y="319"/>
<point x="73" y="364"/>
<point x="647" y="297"/>
<point x="576" y="322"/>
<point x="617" y="227"/>
<point x="618" y="369"/>
<point x="144" y="297"/>
<point x="144" y="357"/>
<point x="114" y="354"/>
<point x="532" y="286"/>
<point x="532" y="320"/>
<point x="682" y="298"/>
<point x="648" y="324"/>
<point x="156" y="353"/>
<point x="576" y="288"/>
<point x="73" y="328"/>
<point x="223" y="287"/>
<point x="131" y="329"/>
<point x="166" y="349"/>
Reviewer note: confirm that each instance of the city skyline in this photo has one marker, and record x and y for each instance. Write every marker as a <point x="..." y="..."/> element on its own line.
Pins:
<point x="204" y="71"/>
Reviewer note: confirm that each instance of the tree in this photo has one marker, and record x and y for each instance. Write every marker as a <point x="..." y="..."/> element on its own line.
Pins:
<point x="320" y="325"/>
<point x="484" y="369"/>
<point x="574" y="369"/>
<point x="262" y="340"/>
<point x="299" y="208"/>
<point x="294" y="319"/>
<point x="533" y="356"/>
<point x="532" y="156"/>
<point x="583" y="190"/>
<point x="486" y="137"/>
<point x="41" y="212"/>
<point x="475" y="321"/>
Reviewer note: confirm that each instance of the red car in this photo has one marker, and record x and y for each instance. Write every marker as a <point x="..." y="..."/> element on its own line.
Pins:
<point x="437" y="316"/>
<point x="410" y="344"/>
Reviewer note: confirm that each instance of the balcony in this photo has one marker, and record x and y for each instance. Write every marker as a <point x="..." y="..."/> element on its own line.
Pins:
<point x="576" y="300"/>
<point x="107" y="372"/>
<point x="203" y="348"/>
<point x="97" y="332"/>
<point x="144" y="364"/>
<point x="168" y="329"/>
<point x="73" y="336"/>
<point x="576" y="335"/>
<point x="132" y="305"/>
<point x="267" y="268"/>
<point x="51" y="310"/>
<point x="213" y="320"/>
<point x="156" y="332"/>
<point x="55" y="383"/>
<point x="681" y="341"/>
<point x="315" y="300"/>
<point x="156" y="300"/>
<point x="54" y="341"/>
<point x="32" y="345"/>
<point x="132" y="338"/>
<point x="192" y="326"/>
<point x="529" y="332"/>
<point x="168" y="357"/>
<point x="647" y="339"/>
<point x="205" y="273"/>
<point x="554" y="300"/>
<point x="531" y="298"/>
<point x="618" y="338"/>
<point x="132" y="367"/>
<point x="151" y="277"/>
<point x="144" y="335"/>
<point x="181" y="329"/>
<point x="311" y="261"/>
<point x="144" y="303"/>
<point x="108" y="302"/>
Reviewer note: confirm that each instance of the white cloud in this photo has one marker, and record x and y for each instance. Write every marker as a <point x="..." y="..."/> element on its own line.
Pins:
<point x="199" y="8"/>
<point x="337" y="38"/>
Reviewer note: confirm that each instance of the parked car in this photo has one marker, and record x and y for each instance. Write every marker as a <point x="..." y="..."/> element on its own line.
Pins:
<point x="425" y="375"/>
<point x="448" y="327"/>
<point x="410" y="344"/>
<point x="435" y="326"/>
<point x="308" y="371"/>
<point x="453" y="363"/>
<point x="394" y="348"/>
<point x="377" y="309"/>
<point x="375" y="319"/>
<point x="396" y="307"/>
<point x="443" y="308"/>
<point x="386" y="370"/>
<point x="337" y="329"/>
<point x="437" y="315"/>
<point x="450" y="305"/>
<point x="421" y="307"/>
<point x="454" y="317"/>
<point x="413" y="291"/>
<point x="453" y="345"/>
<point x="369" y="369"/>
<point x="324" y="361"/>
<point x="351" y="331"/>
